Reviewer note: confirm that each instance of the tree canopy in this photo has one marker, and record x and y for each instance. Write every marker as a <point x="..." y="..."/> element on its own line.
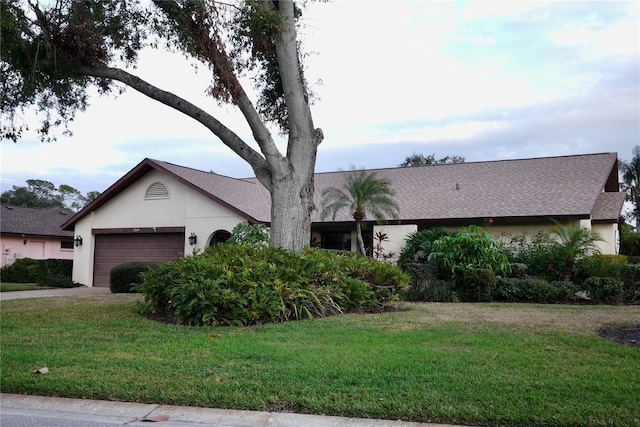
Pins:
<point x="51" y="53"/>
<point x="39" y="193"/>
<point x="417" y="159"/>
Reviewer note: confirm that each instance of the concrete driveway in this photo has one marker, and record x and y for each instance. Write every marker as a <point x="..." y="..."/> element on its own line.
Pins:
<point x="58" y="292"/>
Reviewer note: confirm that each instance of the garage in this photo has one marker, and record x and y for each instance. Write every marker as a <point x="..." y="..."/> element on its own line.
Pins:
<point x="115" y="249"/>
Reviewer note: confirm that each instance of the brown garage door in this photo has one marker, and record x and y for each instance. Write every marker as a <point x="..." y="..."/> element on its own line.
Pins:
<point x="115" y="249"/>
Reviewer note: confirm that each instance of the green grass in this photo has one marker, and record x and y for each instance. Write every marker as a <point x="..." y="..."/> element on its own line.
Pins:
<point x="481" y="364"/>
<point x="10" y="287"/>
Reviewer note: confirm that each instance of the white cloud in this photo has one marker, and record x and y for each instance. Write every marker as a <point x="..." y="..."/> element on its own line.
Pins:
<point x="484" y="80"/>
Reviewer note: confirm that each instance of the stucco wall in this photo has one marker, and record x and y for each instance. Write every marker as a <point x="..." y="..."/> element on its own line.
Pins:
<point x="396" y="235"/>
<point x="129" y="209"/>
<point x="14" y="247"/>
<point x="609" y="233"/>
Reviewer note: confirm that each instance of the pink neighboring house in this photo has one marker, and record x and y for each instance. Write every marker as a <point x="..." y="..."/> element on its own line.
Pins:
<point x="34" y="233"/>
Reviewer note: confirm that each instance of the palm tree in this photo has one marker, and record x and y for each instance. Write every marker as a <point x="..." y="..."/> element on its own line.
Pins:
<point x="630" y="181"/>
<point x="361" y="193"/>
<point x="574" y="242"/>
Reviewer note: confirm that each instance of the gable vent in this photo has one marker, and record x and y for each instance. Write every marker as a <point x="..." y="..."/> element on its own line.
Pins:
<point x="157" y="190"/>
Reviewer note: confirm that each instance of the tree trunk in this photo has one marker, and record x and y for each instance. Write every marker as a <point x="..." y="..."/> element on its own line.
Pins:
<point x="568" y="268"/>
<point x="361" y="249"/>
<point x="291" y="207"/>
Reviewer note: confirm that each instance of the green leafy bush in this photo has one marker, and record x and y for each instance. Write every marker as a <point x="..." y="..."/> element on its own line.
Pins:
<point x="518" y="270"/>
<point x="631" y="279"/>
<point x="600" y="266"/>
<point x="52" y="272"/>
<point x="124" y="277"/>
<point x="475" y="284"/>
<point x="543" y="257"/>
<point x="419" y="245"/>
<point x="468" y="248"/>
<point x="250" y="233"/>
<point x="240" y="284"/>
<point x="604" y="289"/>
<point x="534" y="290"/>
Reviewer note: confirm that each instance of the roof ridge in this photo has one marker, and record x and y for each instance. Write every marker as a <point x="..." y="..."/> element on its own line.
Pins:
<point x="470" y="163"/>
<point x="160" y="162"/>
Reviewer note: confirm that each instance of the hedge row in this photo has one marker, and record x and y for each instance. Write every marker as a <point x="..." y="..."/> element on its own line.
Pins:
<point x="50" y="272"/>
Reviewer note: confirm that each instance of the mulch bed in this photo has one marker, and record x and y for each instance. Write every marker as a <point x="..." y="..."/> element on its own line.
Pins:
<point x="625" y="336"/>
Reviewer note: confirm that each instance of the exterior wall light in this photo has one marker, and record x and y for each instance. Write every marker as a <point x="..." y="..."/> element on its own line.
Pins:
<point x="193" y="239"/>
<point x="78" y="240"/>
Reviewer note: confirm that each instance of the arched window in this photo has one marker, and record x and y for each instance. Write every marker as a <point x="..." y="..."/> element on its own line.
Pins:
<point x="157" y="190"/>
<point x="219" y="236"/>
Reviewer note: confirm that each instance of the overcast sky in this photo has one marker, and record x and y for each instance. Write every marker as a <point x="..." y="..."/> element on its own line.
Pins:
<point x="482" y="80"/>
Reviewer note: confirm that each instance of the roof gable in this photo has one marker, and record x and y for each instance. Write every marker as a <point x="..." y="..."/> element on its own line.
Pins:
<point x="244" y="197"/>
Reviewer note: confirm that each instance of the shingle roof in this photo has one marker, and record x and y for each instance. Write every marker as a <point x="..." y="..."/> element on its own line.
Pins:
<point x="245" y="195"/>
<point x="567" y="186"/>
<point x="608" y="206"/>
<point x="539" y="187"/>
<point x="34" y="221"/>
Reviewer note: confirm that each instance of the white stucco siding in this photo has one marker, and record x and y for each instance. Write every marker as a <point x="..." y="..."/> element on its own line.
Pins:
<point x="609" y="233"/>
<point x="396" y="238"/>
<point x="129" y="210"/>
<point x="203" y="217"/>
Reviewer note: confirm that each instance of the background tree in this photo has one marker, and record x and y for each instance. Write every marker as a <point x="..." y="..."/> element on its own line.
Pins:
<point x="629" y="239"/>
<point x="363" y="192"/>
<point x="574" y="242"/>
<point x="630" y="180"/>
<point x="420" y="160"/>
<point x="52" y="52"/>
<point x="44" y="194"/>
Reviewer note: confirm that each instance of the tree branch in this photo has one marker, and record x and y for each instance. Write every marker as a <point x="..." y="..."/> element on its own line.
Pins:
<point x="226" y="135"/>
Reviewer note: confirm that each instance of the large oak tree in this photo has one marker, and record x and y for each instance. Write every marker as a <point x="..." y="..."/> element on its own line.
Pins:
<point x="51" y="53"/>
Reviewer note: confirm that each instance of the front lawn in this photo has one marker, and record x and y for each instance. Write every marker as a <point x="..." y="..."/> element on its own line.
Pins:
<point x="10" y="287"/>
<point x="476" y="364"/>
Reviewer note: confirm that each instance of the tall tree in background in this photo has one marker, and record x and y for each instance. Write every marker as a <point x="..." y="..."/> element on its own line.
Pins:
<point x="363" y="192"/>
<point x="420" y="160"/>
<point x="51" y="53"/>
<point x="44" y="194"/>
<point x="630" y="181"/>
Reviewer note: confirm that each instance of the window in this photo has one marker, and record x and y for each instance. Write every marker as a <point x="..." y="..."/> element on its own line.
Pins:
<point x="340" y="240"/>
<point x="157" y="190"/>
<point x="219" y="236"/>
<point x="66" y="244"/>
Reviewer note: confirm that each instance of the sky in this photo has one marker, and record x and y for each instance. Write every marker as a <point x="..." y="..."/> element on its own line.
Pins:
<point x="482" y="80"/>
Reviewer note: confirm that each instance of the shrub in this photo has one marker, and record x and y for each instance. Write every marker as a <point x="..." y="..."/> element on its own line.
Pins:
<point x="418" y="246"/>
<point x="518" y="270"/>
<point x="240" y="284"/>
<point x="470" y="248"/>
<point x="23" y="270"/>
<point x="539" y="252"/>
<point x="425" y="286"/>
<point x="600" y="266"/>
<point x="475" y="285"/>
<point x="250" y="233"/>
<point x="631" y="279"/>
<point x="633" y="259"/>
<point x="52" y="272"/>
<point x="124" y="277"/>
<point x="604" y="289"/>
<point x="534" y="290"/>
